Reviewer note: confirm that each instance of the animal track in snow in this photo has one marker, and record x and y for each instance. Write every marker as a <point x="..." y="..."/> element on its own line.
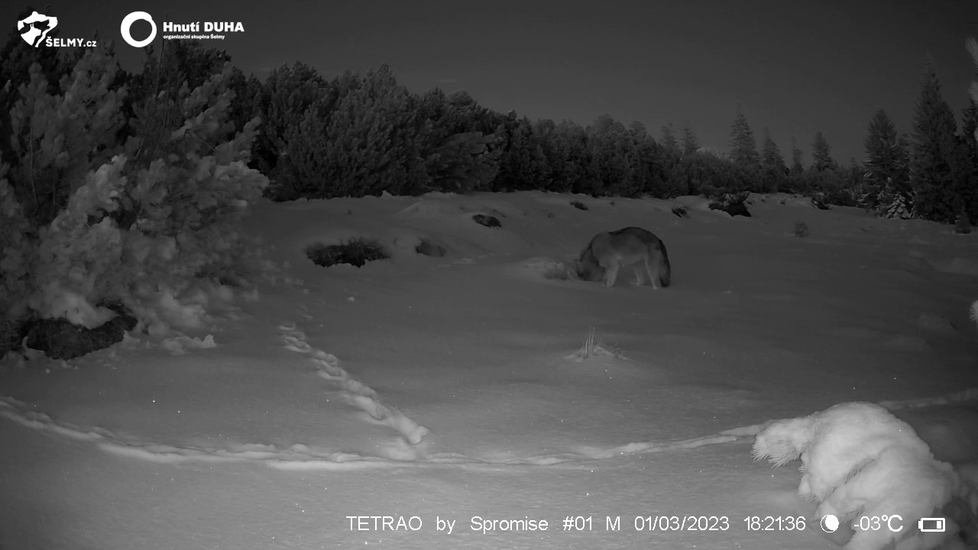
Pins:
<point x="353" y="391"/>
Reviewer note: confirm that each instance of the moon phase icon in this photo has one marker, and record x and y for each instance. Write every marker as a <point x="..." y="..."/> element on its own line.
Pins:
<point x="829" y="523"/>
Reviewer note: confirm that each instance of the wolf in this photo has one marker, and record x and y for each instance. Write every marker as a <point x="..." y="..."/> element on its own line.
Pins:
<point x="631" y="246"/>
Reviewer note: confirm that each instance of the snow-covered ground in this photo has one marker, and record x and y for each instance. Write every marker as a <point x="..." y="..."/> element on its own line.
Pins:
<point x="436" y="390"/>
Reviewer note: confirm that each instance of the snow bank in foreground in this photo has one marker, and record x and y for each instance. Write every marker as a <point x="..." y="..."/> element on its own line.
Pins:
<point x="860" y="461"/>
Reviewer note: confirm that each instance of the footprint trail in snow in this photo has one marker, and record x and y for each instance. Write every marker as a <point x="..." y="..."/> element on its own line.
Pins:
<point x="409" y="448"/>
<point x="353" y="391"/>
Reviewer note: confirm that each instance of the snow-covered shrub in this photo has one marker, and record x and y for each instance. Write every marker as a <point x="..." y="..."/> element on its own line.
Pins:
<point x="138" y="228"/>
<point x="57" y="139"/>
<point x="891" y="204"/>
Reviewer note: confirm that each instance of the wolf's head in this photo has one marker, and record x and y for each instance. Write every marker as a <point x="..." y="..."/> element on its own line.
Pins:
<point x="587" y="266"/>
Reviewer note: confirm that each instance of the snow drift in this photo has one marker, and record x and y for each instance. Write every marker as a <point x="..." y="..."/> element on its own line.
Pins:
<point x="860" y="461"/>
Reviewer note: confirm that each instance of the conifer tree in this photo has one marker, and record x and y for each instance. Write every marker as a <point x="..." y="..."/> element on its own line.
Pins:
<point x="457" y="157"/>
<point x="669" y="141"/>
<point x="58" y="138"/>
<point x="773" y="170"/>
<point x="572" y="143"/>
<point x="17" y="58"/>
<point x="935" y="170"/>
<point x="690" y="143"/>
<point x="972" y="47"/>
<point x="821" y="154"/>
<point x="645" y="168"/>
<point x="796" y="156"/>
<point x="177" y="63"/>
<point x="969" y="129"/>
<point x="608" y="144"/>
<point x="969" y="142"/>
<point x="881" y="149"/>
<point x="887" y="181"/>
<point x="545" y="131"/>
<point x="522" y="163"/>
<point x="374" y="139"/>
<point x="283" y="103"/>
<point x="124" y="231"/>
<point x="743" y="147"/>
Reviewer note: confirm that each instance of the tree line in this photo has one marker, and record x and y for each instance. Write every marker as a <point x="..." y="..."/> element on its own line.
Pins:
<point x="356" y="135"/>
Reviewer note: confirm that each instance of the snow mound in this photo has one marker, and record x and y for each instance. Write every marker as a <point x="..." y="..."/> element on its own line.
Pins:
<point x="956" y="266"/>
<point x="179" y="344"/>
<point x="437" y="208"/>
<point x="906" y="342"/>
<point x="791" y="200"/>
<point x="542" y="267"/>
<point x="431" y="209"/>
<point x="701" y="204"/>
<point x="858" y="460"/>
<point x="935" y="323"/>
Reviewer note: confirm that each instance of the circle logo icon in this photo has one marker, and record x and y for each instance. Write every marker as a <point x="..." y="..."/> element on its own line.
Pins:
<point x="127" y="25"/>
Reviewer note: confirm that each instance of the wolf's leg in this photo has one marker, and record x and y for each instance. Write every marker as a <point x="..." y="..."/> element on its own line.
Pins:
<point x="611" y="273"/>
<point x="653" y="272"/>
<point x="638" y="276"/>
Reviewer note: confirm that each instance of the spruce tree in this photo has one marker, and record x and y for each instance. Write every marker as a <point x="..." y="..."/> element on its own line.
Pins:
<point x="773" y="170"/>
<point x="821" y="154"/>
<point x="283" y="103"/>
<point x="935" y="170"/>
<point x="796" y="156"/>
<point x="743" y="151"/>
<point x="545" y="131"/>
<point x="522" y="164"/>
<point x="969" y="141"/>
<point x="644" y="172"/>
<point x="743" y="147"/>
<point x="887" y="185"/>
<point x="881" y="149"/>
<point x="607" y="144"/>
<point x="56" y="139"/>
<point x="690" y="143"/>
<point x="972" y="46"/>
<point x="669" y="141"/>
<point x="968" y="164"/>
<point x="374" y="139"/>
<point x="17" y="58"/>
<point x="796" y="180"/>
<point x="123" y="231"/>
<point x="572" y="144"/>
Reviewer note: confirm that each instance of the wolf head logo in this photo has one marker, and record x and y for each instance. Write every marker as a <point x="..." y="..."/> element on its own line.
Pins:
<point x="36" y="27"/>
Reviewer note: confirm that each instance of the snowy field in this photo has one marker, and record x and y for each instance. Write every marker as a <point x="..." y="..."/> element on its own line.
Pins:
<point x="447" y="393"/>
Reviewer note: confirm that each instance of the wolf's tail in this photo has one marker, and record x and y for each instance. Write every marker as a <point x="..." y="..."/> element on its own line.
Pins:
<point x="665" y="271"/>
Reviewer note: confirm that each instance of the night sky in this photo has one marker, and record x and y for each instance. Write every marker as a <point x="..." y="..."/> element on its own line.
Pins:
<point x="795" y="67"/>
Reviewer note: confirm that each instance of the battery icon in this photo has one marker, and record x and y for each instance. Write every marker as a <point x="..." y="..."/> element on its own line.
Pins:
<point x="931" y="525"/>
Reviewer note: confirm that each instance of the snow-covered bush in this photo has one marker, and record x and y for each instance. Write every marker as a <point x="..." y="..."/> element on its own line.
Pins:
<point x="136" y="228"/>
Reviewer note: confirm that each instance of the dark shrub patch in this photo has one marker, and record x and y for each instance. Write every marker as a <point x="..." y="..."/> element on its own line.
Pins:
<point x="732" y="203"/>
<point x="60" y="339"/>
<point x="680" y="211"/>
<point x="818" y="200"/>
<point x="488" y="221"/>
<point x="355" y="252"/>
